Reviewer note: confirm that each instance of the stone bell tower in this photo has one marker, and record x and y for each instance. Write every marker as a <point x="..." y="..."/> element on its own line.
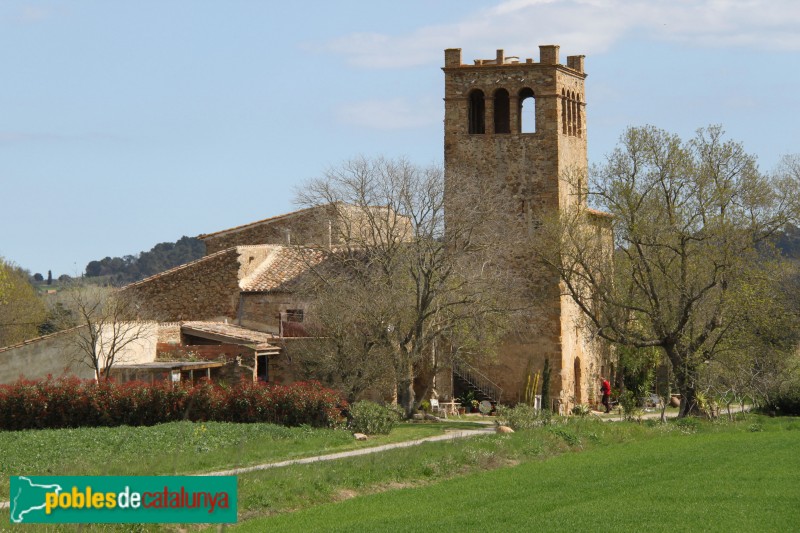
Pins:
<point x="521" y="124"/>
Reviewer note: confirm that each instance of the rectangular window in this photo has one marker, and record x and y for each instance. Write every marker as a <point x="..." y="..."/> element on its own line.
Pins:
<point x="294" y="315"/>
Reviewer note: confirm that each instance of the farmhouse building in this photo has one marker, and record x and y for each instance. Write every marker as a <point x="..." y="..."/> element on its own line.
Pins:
<point x="518" y="122"/>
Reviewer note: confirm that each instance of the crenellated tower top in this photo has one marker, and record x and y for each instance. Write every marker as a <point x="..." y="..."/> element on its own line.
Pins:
<point x="521" y="122"/>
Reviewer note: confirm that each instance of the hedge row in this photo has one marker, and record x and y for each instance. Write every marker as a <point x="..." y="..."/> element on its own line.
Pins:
<point x="70" y="402"/>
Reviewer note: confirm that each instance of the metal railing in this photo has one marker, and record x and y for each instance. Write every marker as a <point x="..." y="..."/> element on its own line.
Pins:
<point x="478" y="380"/>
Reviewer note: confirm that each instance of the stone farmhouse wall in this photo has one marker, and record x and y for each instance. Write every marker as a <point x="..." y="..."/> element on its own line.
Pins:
<point x="264" y="311"/>
<point x="308" y="226"/>
<point x="204" y="289"/>
<point x="323" y="226"/>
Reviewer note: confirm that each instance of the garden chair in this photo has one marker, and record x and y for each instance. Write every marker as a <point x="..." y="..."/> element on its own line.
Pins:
<point x="437" y="409"/>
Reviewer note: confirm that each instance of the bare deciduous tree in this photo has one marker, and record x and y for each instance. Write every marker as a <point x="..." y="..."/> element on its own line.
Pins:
<point x="412" y="287"/>
<point x="108" y="325"/>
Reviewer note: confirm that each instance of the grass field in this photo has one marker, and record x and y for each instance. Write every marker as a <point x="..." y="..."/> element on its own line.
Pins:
<point x="174" y="448"/>
<point x="740" y="477"/>
<point x="573" y="476"/>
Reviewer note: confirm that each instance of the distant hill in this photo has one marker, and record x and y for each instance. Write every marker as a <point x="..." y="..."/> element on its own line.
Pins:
<point x="163" y="256"/>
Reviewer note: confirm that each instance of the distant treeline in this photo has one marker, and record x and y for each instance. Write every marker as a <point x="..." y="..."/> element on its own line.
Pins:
<point x="166" y="255"/>
<point x="163" y="256"/>
<point x="788" y="241"/>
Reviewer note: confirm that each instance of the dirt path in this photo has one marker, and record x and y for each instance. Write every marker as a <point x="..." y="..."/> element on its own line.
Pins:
<point x="352" y="453"/>
<point x="656" y="414"/>
<point x="450" y="435"/>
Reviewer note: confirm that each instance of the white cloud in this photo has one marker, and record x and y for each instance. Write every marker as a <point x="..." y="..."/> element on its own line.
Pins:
<point x="33" y="13"/>
<point x="586" y="26"/>
<point x="390" y="114"/>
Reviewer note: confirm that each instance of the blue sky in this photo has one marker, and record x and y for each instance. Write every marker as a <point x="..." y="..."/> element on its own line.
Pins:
<point x="125" y="124"/>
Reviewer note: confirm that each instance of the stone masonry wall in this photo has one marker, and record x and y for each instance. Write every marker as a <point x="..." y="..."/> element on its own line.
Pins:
<point x="319" y="226"/>
<point x="528" y="168"/>
<point x="261" y="311"/>
<point x="309" y="226"/>
<point x="204" y="289"/>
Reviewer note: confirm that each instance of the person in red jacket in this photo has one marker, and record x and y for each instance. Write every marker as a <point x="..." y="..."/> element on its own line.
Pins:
<point x="605" y="390"/>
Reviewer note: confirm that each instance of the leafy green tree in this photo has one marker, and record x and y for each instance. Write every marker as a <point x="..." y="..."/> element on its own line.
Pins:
<point x="21" y="309"/>
<point x="688" y="218"/>
<point x="759" y="355"/>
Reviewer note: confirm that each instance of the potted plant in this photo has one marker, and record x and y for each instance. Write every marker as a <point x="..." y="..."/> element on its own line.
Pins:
<point x="469" y="402"/>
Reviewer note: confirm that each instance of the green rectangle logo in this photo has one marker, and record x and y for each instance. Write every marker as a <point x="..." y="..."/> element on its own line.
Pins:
<point x="122" y="499"/>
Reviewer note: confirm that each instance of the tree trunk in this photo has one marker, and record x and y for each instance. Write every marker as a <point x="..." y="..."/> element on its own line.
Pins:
<point x="405" y="392"/>
<point x="685" y="374"/>
<point x="685" y="378"/>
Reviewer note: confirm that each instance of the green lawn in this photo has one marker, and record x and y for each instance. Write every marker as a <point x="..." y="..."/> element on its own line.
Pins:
<point x="721" y="478"/>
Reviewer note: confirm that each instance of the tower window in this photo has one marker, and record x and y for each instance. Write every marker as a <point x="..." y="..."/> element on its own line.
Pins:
<point x="477" y="112"/>
<point x="502" y="117"/>
<point x="527" y="111"/>
<point x="571" y="113"/>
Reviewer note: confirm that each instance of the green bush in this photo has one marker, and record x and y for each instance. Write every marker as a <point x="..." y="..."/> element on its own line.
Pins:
<point x="785" y="402"/>
<point x="629" y="402"/>
<point x="371" y="418"/>
<point x="522" y="416"/>
<point x="397" y="411"/>
<point x="581" y="410"/>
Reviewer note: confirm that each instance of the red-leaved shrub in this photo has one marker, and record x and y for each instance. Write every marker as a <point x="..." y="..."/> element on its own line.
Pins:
<point x="70" y="402"/>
